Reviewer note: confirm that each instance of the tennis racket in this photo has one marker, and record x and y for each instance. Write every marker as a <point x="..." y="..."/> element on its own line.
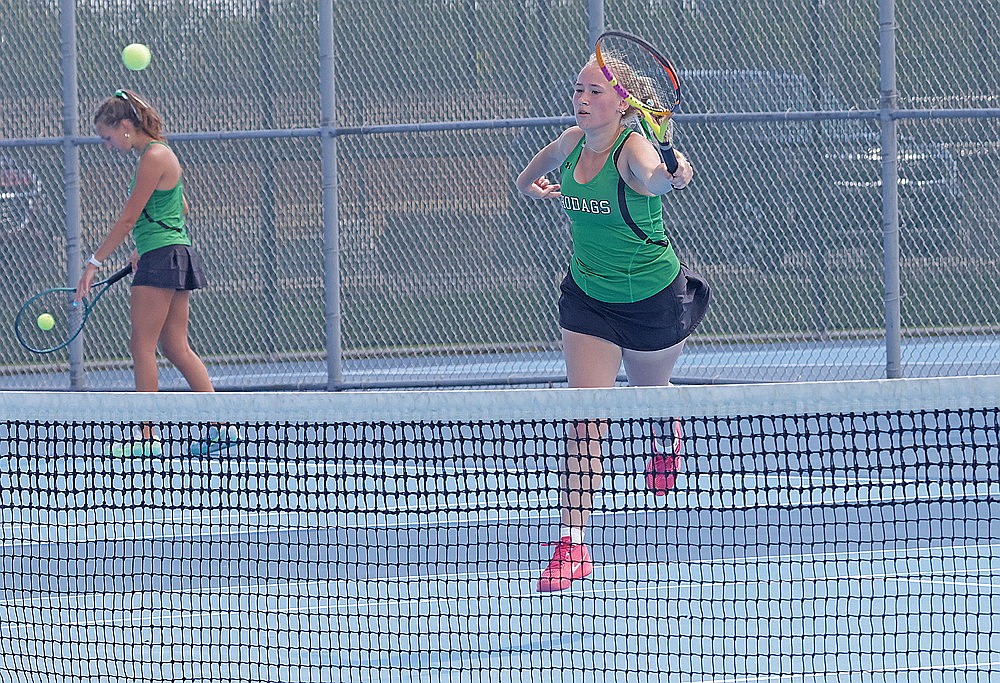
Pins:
<point x="646" y="80"/>
<point x="51" y="319"/>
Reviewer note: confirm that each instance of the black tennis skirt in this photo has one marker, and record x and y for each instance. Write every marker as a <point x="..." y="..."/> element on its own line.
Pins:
<point x="654" y="323"/>
<point x="172" y="267"/>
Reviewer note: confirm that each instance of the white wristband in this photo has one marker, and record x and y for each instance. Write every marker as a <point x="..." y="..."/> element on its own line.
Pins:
<point x="94" y="262"/>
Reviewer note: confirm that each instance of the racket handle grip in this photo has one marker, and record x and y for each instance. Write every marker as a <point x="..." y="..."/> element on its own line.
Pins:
<point x="668" y="156"/>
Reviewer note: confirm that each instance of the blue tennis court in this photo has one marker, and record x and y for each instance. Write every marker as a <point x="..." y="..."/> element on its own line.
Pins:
<point x="655" y="601"/>
<point x="853" y="548"/>
<point x="756" y="362"/>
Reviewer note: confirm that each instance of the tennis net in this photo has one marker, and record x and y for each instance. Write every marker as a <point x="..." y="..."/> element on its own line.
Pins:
<point x="815" y="532"/>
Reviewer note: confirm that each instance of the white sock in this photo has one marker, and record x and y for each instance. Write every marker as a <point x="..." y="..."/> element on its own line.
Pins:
<point x="574" y="533"/>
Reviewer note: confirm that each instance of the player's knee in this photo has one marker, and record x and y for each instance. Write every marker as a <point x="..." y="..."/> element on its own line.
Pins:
<point x="141" y="346"/>
<point x="175" y="351"/>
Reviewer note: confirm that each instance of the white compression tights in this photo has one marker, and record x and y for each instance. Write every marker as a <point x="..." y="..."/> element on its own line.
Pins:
<point x="651" y="368"/>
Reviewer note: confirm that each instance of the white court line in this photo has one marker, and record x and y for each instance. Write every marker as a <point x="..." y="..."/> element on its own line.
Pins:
<point x="282" y="588"/>
<point x="167" y="616"/>
<point x="758" y="502"/>
<point x="791" y="678"/>
<point x="932" y="582"/>
<point x="897" y="554"/>
<point x="839" y="488"/>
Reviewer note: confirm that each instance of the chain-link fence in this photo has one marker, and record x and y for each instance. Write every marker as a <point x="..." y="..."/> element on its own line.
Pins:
<point x="419" y="263"/>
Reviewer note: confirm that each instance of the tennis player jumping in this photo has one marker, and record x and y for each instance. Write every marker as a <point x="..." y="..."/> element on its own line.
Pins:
<point x="626" y="296"/>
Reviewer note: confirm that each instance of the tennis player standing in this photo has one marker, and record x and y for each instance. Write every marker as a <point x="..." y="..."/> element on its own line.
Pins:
<point x="166" y="268"/>
<point x="626" y="297"/>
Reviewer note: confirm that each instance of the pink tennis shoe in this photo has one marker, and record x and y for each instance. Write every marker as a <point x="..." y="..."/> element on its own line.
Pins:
<point x="662" y="468"/>
<point x="570" y="561"/>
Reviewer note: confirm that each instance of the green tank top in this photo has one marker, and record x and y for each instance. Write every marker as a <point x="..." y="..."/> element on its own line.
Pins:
<point x="162" y="220"/>
<point x="620" y="254"/>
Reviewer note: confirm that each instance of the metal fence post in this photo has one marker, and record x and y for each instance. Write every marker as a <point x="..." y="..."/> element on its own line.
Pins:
<point x="595" y="20"/>
<point x="71" y="170"/>
<point x="331" y="226"/>
<point x="890" y="190"/>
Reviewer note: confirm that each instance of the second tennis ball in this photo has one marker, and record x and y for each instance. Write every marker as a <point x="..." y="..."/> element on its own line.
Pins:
<point x="136" y="56"/>
<point x="46" y="321"/>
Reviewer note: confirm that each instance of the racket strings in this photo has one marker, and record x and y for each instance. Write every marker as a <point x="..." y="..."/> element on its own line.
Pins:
<point x="641" y="73"/>
<point x="634" y="121"/>
<point x="66" y="319"/>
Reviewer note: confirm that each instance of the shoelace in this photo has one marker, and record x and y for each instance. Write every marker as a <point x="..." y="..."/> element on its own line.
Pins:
<point x="562" y="550"/>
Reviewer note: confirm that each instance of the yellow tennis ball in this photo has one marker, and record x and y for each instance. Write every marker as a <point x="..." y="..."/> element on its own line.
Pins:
<point x="46" y="321"/>
<point x="136" y="56"/>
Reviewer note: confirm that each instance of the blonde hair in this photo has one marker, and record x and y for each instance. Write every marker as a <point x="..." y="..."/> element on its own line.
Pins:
<point x="642" y="88"/>
<point x="626" y="76"/>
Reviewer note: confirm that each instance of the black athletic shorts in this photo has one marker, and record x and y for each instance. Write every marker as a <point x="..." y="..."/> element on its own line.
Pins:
<point x="654" y="323"/>
<point x="172" y="267"/>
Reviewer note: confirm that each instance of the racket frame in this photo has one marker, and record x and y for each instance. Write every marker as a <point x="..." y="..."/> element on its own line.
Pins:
<point x="655" y="120"/>
<point x="86" y="306"/>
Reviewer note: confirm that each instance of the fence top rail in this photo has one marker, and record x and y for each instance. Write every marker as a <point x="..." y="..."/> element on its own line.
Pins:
<point x="537" y="122"/>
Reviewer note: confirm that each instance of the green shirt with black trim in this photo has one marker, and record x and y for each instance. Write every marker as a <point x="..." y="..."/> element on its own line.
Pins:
<point x="620" y="253"/>
<point x="161" y="223"/>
